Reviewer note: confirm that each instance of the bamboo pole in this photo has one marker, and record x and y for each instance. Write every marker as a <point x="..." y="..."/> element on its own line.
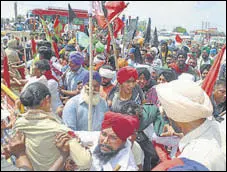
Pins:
<point x="90" y="75"/>
<point x="25" y="59"/>
<point x="114" y="43"/>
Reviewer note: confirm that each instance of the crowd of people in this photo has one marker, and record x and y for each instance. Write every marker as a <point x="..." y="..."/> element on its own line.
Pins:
<point x="149" y="111"/>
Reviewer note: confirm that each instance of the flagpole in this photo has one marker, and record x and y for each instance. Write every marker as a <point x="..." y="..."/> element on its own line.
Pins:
<point x="114" y="44"/>
<point x="90" y="70"/>
<point x="25" y="59"/>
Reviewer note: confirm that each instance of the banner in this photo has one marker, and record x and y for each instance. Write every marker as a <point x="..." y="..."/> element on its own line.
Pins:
<point x="131" y="30"/>
<point x="82" y="39"/>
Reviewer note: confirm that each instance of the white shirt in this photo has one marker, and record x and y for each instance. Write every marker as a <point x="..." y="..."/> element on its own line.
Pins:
<point x="204" y="145"/>
<point x="55" y="96"/>
<point x="124" y="158"/>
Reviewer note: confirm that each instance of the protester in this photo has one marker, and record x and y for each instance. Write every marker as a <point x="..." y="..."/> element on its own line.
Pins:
<point x="218" y="98"/>
<point x="42" y="67"/>
<point x="40" y="126"/>
<point x="53" y="111"/>
<point x="75" y="112"/>
<point x="5" y="40"/>
<point x="111" y="149"/>
<point x="181" y="67"/>
<point x="73" y="76"/>
<point x="165" y="75"/>
<point x="204" y="69"/>
<point x="143" y="78"/>
<point x="164" y="51"/>
<point x="127" y="89"/>
<point x="205" y="57"/>
<point x="197" y="129"/>
<point x="107" y="73"/>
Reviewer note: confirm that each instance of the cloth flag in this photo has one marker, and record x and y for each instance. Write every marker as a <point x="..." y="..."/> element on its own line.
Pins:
<point x="34" y="50"/>
<point x="211" y="77"/>
<point x="178" y="39"/>
<point x="82" y="39"/>
<point x="46" y="30"/>
<point x="131" y="30"/>
<point x="57" y="28"/>
<point x="55" y="47"/>
<point x="113" y="8"/>
<point x="99" y="14"/>
<point x="72" y="15"/>
<point x="118" y="25"/>
<point x="6" y="75"/>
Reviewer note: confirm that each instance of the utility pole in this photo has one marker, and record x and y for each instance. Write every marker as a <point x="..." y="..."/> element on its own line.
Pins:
<point x="15" y="10"/>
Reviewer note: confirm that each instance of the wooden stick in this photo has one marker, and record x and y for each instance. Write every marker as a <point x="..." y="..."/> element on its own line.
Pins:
<point x="90" y="75"/>
<point x="222" y="114"/>
<point x="117" y="168"/>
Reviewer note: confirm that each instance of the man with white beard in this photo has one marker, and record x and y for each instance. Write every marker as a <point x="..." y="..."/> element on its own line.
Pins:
<point x="75" y="112"/>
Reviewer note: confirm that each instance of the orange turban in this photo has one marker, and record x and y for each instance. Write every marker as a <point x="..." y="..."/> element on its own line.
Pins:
<point x="122" y="62"/>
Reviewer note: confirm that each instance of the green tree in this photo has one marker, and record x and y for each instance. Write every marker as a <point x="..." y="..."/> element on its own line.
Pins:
<point x="20" y="18"/>
<point x="155" y="41"/>
<point x="179" y="29"/>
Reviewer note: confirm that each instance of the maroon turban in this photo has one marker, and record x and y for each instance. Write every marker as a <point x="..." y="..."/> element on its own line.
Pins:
<point x="123" y="125"/>
<point x="126" y="73"/>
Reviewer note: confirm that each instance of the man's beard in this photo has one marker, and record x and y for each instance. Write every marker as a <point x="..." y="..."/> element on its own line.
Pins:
<point x="85" y="96"/>
<point x="205" y="58"/>
<point x="106" y="84"/>
<point x="105" y="157"/>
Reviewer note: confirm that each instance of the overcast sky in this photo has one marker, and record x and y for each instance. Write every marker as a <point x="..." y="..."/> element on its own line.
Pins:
<point x="164" y="14"/>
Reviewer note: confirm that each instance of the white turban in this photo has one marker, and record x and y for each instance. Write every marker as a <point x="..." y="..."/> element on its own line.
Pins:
<point x="186" y="76"/>
<point x="184" y="101"/>
<point x="106" y="73"/>
<point x="155" y="50"/>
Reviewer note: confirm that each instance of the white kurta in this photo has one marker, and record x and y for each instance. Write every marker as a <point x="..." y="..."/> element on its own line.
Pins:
<point x="124" y="158"/>
<point x="204" y="145"/>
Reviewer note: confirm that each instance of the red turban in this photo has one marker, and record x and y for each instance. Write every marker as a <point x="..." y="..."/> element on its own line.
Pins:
<point x="126" y="73"/>
<point x="123" y="125"/>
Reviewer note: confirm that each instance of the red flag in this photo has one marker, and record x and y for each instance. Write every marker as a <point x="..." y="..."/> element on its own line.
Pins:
<point x="97" y="9"/>
<point x="6" y="75"/>
<point x="34" y="51"/>
<point x="57" y="26"/>
<point x="113" y="9"/>
<point x="211" y="77"/>
<point x="178" y="39"/>
<point x="55" y="49"/>
<point x="118" y="25"/>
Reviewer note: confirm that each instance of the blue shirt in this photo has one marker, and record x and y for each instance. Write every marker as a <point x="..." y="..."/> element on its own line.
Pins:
<point x="72" y="78"/>
<point x="75" y="114"/>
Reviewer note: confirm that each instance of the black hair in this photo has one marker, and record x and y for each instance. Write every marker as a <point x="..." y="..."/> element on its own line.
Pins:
<point x="132" y="108"/>
<point x="169" y="74"/>
<point x="145" y="50"/>
<point x="43" y="43"/>
<point x="205" y="67"/>
<point x="45" y="52"/>
<point x="34" y="94"/>
<point x="43" y="65"/>
<point x="111" y="62"/>
<point x="220" y="82"/>
<point x="181" y="52"/>
<point x="145" y="71"/>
